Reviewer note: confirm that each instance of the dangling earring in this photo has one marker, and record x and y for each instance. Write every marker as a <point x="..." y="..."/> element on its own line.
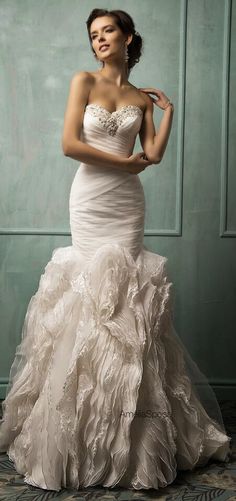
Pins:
<point x="126" y="54"/>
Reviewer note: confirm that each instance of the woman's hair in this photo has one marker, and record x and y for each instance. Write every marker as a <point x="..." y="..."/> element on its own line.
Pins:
<point x="125" y="22"/>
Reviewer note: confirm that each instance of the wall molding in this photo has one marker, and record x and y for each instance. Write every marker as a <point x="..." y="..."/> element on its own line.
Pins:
<point x="224" y="232"/>
<point x="44" y="231"/>
<point x="34" y="231"/>
<point x="177" y="231"/>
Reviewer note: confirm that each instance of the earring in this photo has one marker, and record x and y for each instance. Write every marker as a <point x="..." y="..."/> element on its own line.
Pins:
<point x="126" y="54"/>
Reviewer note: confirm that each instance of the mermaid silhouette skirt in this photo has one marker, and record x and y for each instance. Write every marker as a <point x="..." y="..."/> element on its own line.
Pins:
<point x="101" y="390"/>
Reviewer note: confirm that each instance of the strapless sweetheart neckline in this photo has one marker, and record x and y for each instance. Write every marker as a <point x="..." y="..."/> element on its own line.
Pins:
<point x="116" y="111"/>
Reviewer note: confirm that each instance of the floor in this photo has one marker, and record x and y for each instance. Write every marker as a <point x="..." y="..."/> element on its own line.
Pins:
<point x="215" y="481"/>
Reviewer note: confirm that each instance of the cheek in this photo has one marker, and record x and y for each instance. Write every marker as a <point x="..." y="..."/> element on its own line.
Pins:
<point x="115" y="42"/>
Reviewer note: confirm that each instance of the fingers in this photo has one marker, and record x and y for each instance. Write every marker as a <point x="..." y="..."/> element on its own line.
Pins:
<point x="147" y="89"/>
<point x="151" y="90"/>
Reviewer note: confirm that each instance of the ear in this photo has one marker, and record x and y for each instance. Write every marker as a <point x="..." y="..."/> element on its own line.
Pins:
<point x="129" y="39"/>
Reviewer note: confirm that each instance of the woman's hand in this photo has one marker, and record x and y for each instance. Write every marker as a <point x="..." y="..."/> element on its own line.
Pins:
<point x="162" y="100"/>
<point x="136" y="163"/>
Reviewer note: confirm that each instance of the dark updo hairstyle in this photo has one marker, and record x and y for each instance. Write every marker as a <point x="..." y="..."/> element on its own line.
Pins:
<point x="125" y="22"/>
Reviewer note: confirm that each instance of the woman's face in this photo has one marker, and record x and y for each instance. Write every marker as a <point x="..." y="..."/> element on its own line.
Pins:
<point x="103" y="30"/>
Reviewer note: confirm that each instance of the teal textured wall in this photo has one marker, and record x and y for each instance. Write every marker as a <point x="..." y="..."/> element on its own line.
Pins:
<point x="189" y="52"/>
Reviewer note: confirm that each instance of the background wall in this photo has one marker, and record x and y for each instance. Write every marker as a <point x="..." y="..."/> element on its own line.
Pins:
<point x="189" y="52"/>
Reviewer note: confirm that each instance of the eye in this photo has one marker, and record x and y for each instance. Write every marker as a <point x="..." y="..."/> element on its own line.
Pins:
<point x="109" y="29"/>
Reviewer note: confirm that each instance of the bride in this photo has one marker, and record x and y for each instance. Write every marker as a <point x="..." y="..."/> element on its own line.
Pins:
<point x="101" y="390"/>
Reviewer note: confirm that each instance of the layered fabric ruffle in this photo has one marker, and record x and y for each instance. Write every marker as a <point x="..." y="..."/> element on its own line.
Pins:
<point x="102" y="390"/>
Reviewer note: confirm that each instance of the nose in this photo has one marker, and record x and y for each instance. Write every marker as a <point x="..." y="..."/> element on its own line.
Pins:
<point x="101" y="34"/>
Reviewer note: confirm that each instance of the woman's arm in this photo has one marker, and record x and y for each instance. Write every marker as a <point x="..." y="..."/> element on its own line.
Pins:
<point x="90" y="155"/>
<point x="162" y="134"/>
<point x="80" y="87"/>
<point x="154" y="142"/>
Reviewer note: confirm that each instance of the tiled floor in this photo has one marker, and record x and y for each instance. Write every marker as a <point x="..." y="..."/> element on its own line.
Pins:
<point x="215" y="481"/>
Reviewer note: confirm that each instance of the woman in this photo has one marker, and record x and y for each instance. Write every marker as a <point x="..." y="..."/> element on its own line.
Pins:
<point x="102" y="391"/>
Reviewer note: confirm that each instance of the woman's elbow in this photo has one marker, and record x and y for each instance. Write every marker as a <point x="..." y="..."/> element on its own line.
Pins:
<point x="157" y="160"/>
<point x="153" y="156"/>
<point x="66" y="147"/>
<point x="65" y="152"/>
<point x="154" y="159"/>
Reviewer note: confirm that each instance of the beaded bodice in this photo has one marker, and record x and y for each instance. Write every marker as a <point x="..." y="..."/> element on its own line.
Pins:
<point x="111" y="121"/>
<point x="111" y="131"/>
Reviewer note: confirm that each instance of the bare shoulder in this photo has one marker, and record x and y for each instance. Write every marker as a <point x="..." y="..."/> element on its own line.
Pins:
<point x="80" y="86"/>
<point x="82" y="77"/>
<point x="143" y="98"/>
<point x="147" y="100"/>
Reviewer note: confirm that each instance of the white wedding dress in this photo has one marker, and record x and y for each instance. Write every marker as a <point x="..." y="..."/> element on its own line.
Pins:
<point x="102" y="391"/>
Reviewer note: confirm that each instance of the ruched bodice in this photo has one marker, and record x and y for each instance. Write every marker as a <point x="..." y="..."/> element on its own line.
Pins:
<point x="114" y="132"/>
<point x="105" y="197"/>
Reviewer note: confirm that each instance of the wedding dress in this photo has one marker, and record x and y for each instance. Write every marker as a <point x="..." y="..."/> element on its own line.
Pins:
<point x="102" y="390"/>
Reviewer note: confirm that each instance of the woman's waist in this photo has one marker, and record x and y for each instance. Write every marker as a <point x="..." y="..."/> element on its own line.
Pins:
<point x="94" y="182"/>
<point x="97" y="171"/>
<point x="89" y="173"/>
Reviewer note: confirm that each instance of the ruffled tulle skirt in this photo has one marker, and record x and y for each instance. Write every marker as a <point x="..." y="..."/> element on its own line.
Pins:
<point x="102" y="390"/>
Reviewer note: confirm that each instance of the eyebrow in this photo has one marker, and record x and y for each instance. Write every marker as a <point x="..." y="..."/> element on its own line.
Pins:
<point x="103" y="27"/>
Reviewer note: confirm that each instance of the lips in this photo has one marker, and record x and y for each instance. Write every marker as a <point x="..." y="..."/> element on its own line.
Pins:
<point x="104" y="46"/>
